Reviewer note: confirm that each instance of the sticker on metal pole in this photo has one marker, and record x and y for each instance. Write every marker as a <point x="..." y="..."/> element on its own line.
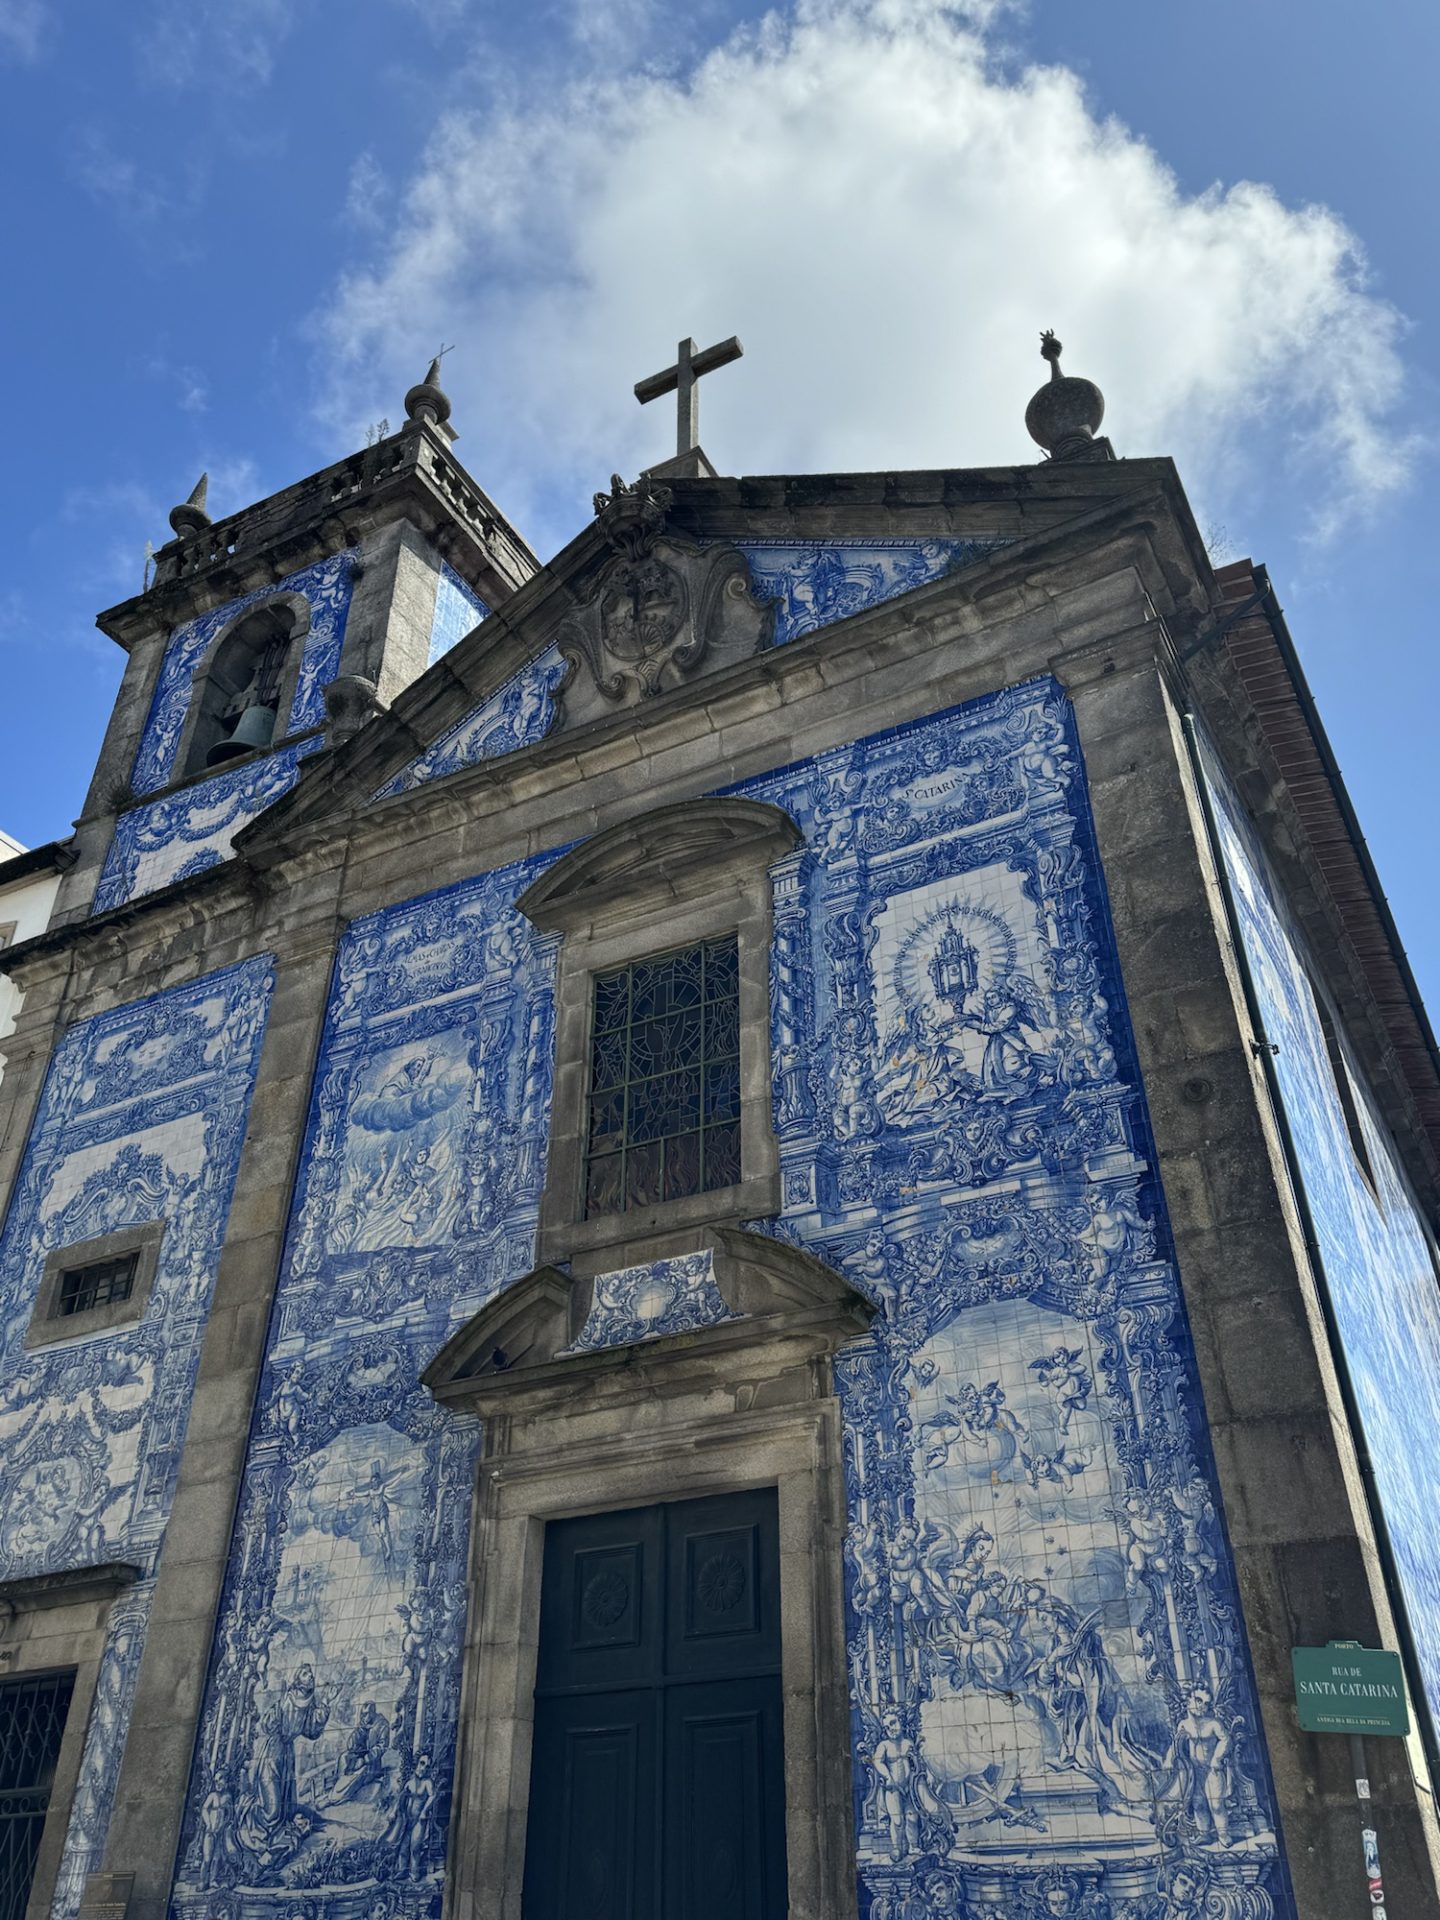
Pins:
<point x="1349" y="1689"/>
<point x="1371" y="1843"/>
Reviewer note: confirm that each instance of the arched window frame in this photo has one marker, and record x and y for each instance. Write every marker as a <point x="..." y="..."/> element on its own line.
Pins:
<point x="202" y="686"/>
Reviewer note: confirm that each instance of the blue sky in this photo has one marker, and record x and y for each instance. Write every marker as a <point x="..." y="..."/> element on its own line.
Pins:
<point x="237" y="229"/>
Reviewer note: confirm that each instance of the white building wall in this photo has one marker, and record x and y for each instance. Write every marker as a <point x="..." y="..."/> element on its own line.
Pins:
<point x="25" y="908"/>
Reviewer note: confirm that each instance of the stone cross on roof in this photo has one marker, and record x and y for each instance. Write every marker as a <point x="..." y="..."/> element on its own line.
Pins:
<point x="682" y="379"/>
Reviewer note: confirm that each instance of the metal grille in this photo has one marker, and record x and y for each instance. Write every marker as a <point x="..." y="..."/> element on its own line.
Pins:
<point x="98" y="1285"/>
<point x="664" y="1116"/>
<point x="32" y="1720"/>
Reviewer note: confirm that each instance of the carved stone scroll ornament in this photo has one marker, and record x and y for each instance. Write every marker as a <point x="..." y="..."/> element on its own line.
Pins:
<point x="659" y="606"/>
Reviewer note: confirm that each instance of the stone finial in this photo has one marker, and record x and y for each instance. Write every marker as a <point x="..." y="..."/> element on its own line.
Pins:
<point x="190" y="516"/>
<point x="429" y="400"/>
<point x="1065" y="414"/>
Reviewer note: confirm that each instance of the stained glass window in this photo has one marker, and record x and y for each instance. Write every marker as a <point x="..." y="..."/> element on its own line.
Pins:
<point x="664" y="1117"/>
<point x="100" y="1284"/>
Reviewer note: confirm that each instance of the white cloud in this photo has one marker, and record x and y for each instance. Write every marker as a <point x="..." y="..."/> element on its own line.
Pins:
<point x="367" y="194"/>
<point x="23" y="26"/>
<point x="188" y="384"/>
<point x="887" y="215"/>
<point x="232" y="44"/>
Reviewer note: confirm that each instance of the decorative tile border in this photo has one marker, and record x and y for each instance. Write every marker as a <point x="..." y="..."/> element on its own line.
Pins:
<point x="173" y="838"/>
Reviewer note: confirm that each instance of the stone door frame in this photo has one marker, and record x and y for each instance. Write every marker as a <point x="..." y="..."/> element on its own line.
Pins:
<point x="747" y="1403"/>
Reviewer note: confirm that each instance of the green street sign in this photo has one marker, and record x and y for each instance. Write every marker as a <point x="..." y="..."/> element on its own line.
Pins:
<point x="1345" y="1688"/>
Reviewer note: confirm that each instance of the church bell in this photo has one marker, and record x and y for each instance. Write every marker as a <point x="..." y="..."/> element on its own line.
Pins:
<point x="254" y="728"/>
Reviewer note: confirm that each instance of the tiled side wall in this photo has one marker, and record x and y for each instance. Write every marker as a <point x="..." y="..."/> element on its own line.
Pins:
<point x="458" y="610"/>
<point x="1379" y="1259"/>
<point x="142" y="1119"/>
<point x="1053" y="1710"/>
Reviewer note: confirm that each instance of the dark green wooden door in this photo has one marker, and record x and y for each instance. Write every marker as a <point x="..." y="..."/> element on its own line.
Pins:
<point x="657" y="1784"/>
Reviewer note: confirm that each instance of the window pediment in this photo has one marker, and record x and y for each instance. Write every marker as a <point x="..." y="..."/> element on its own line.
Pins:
<point x="669" y="854"/>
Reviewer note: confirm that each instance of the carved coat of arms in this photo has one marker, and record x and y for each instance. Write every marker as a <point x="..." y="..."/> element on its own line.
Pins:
<point x="659" y="606"/>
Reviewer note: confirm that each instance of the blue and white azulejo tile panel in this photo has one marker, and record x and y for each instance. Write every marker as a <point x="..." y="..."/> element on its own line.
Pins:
<point x="817" y="582"/>
<point x="188" y="831"/>
<point x="326" y="585"/>
<point x="647" y="1303"/>
<point x="458" y="611"/>
<point x="516" y="715"/>
<point x="1379" y="1262"/>
<point x="1053" y="1708"/>
<point x="323" y="1768"/>
<point x="141" y="1119"/>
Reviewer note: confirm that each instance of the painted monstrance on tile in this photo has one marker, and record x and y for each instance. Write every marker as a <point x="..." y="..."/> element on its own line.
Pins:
<point x="1053" y="1712"/>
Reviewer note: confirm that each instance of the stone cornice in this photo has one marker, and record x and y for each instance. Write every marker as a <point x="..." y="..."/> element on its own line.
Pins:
<point x="70" y="1588"/>
<point x="412" y="475"/>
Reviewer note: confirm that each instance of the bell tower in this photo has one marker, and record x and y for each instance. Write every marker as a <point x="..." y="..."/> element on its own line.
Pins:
<point x="264" y="637"/>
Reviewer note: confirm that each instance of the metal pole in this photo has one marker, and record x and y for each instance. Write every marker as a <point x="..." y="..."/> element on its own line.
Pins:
<point x="1369" y="1839"/>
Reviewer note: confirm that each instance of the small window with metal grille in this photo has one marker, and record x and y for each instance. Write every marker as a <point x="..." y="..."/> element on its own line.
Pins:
<point x="664" y="1095"/>
<point x="100" y="1283"/>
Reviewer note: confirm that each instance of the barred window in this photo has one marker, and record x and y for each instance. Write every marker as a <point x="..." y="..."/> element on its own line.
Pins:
<point x="32" y="1723"/>
<point x="101" y="1283"/>
<point x="664" y="1114"/>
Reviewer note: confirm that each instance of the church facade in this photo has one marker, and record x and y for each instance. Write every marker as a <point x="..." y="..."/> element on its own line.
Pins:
<point x="739" y="1225"/>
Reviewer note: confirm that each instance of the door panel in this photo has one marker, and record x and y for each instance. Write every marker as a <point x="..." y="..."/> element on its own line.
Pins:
<point x="591" y="1850"/>
<point x="723" y="1584"/>
<point x="600" y="1602"/>
<point x="725" y="1797"/>
<point x="657" y="1783"/>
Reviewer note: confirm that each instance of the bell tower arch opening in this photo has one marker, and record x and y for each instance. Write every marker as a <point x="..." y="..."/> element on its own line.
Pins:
<point x="243" y="694"/>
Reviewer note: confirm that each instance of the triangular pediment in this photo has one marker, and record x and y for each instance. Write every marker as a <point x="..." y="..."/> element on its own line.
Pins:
<point x="674" y="583"/>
